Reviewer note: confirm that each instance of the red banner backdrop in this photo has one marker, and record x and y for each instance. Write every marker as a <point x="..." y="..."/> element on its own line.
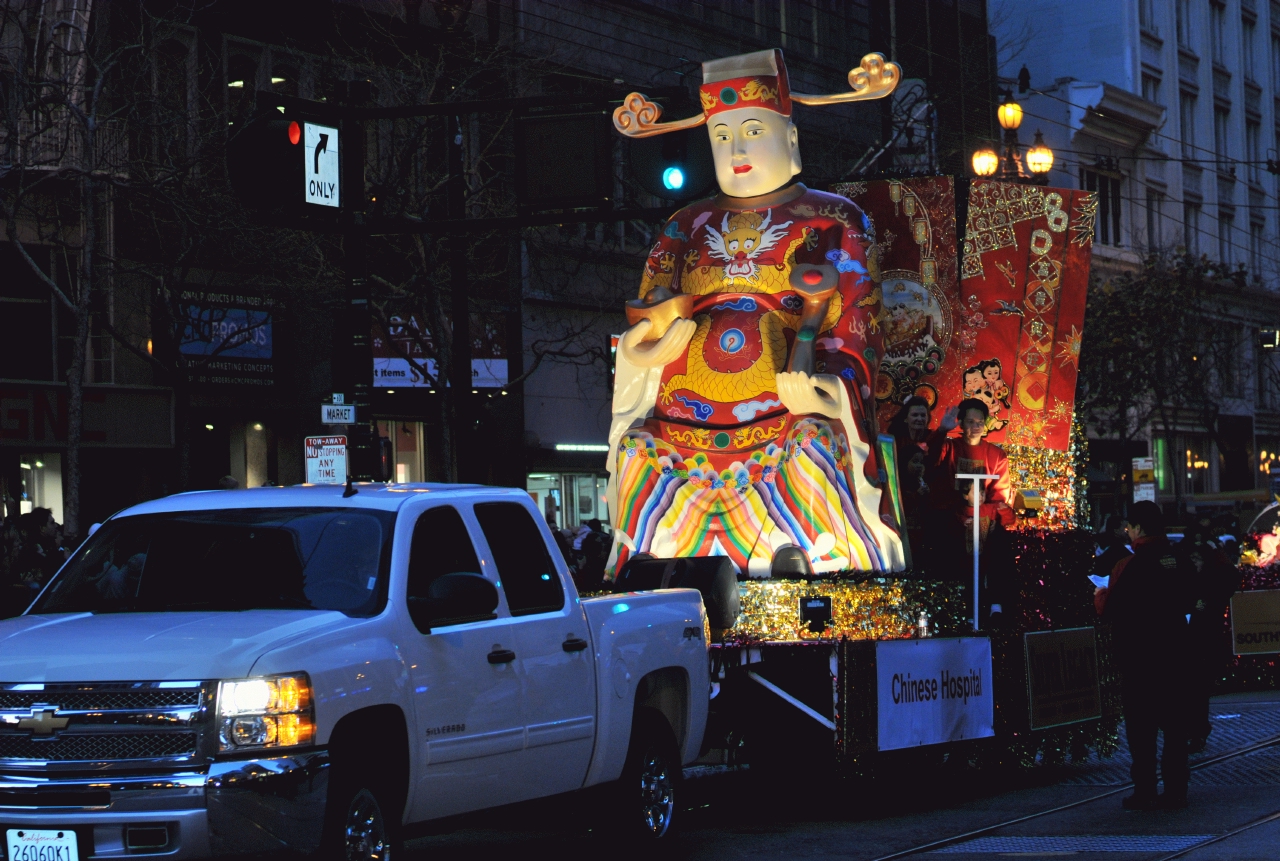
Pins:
<point x="914" y="221"/>
<point x="1023" y="282"/>
<point x="1006" y="327"/>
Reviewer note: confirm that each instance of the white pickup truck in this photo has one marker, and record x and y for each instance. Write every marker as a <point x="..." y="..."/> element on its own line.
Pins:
<point x="244" y="671"/>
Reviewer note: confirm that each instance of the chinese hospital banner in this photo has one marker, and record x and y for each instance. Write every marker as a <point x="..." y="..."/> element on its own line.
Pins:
<point x="1003" y="323"/>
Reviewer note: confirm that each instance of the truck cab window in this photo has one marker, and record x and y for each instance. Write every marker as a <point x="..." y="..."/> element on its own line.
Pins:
<point x="440" y="546"/>
<point x="229" y="561"/>
<point x="520" y="553"/>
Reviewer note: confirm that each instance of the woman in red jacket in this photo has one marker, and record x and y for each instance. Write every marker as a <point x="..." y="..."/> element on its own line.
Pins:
<point x="969" y="453"/>
<point x="952" y="497"/>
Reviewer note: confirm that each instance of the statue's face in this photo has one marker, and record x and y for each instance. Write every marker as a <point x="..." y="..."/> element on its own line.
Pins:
<point x="756" y="151"/>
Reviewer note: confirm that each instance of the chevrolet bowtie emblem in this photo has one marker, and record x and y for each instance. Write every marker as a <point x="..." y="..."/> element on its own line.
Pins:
<point x="43" y="721"/>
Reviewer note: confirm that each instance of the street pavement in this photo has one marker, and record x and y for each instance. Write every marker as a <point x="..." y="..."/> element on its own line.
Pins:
<point x="732" y="816"/>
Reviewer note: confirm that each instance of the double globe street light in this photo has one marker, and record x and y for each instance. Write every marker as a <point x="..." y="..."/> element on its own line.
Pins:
<point x="1011" y="166"/>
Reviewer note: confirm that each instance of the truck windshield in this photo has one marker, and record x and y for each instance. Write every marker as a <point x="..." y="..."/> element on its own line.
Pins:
<point x="237" y="559"/>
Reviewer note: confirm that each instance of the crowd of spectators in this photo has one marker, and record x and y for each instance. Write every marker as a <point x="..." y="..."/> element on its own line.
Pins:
<point x="586" y="552"/>
<point x="31" y="551"/>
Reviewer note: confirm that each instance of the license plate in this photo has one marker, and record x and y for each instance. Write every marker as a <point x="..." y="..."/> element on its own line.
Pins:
<point x="26" y="844"/>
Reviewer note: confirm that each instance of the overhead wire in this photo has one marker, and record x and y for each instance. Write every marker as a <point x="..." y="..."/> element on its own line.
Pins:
<point x="1215" y="237"/>
<point x="681" y="49"/>
<point x="1219" y="205"/>
<point x="1217" y="158"/>
<point x="690" y="46"/>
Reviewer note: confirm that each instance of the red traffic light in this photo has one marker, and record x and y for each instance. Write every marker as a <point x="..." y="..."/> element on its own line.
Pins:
<point x="295" y="132"/>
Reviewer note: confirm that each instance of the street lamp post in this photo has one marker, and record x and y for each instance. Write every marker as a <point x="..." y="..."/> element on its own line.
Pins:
<point x="1010" y="165"/>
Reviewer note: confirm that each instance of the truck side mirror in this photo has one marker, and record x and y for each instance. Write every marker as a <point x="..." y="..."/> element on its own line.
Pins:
<point x="453" y="599"/>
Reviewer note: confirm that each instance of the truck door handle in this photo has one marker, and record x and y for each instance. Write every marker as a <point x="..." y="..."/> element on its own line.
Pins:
<point x="574" y="644"/>
<point x="501" y="656"/>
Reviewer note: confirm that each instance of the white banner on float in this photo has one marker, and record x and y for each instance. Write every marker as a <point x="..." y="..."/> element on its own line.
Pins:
<point x="932" y="691"/>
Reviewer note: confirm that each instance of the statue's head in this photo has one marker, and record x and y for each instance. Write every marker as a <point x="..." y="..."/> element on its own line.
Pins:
<point x="747" y="104"/>
<point x="746" y="107"/>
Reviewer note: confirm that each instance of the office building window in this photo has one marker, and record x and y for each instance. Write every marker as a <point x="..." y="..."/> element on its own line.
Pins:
<point x="1151" y="88"/>
<point x="1147" y="15"/>
<point x="1187" y="120"/>
<point x="1255" y="248"/>
<point x="1155" y="204"/>
<point x="1275" y="62"/>
<point x="1191" y="227"/>
<point x="1253" y="149"/>
<point x="1225" y="225"/>
<point x="1182" y="20"/>
<point x="1247" y="37"/>
<point x="1107" y="224"/>
<point x="1221" y="137"/>
<point x="1217" y="32"/>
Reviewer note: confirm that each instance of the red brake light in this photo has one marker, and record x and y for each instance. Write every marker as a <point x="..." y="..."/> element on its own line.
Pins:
<point x="295" y="132"/>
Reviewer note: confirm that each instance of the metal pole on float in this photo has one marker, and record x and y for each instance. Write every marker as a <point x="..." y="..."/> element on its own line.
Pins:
<point x="977" y="501"/>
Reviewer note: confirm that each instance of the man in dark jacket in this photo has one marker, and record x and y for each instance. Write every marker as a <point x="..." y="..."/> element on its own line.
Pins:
<point x="1147" y="603"/>
<point x="1113" y="542"/>
<point x="1216" y="579"/>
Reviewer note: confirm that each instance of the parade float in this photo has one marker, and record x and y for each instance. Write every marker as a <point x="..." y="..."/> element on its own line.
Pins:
<point x="777" y="332"/>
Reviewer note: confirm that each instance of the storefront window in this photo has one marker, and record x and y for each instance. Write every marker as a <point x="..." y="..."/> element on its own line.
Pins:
<point x="406" y="448"/>
<point x="568" y="499"/>
<point x="41" y="483"/>
<point x="1268" y="459"/>
<point x="1195" y="455"/>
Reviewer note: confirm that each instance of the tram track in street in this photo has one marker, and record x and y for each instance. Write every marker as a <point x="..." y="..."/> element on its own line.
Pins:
<point x="989" y="830"/>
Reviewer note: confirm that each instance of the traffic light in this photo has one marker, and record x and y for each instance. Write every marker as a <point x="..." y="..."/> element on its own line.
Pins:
<point x="674" y="166"/>
<point x="563" y="160"/>
<point x="265" y="164"/>
<point x="288" y="168"/>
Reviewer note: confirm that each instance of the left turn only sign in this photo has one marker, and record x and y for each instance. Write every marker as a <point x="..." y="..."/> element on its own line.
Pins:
<point x="321" y="154"/>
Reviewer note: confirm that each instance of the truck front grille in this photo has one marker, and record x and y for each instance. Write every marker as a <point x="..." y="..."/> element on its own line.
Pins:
<point x="99" y="748"/>
<point x="102" y="700"/>
<point x="61" y="726"/>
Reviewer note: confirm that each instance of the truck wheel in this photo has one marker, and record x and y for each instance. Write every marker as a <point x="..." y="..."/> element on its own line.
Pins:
<point x="650" y="778"/>
<point x="356" y="827"/>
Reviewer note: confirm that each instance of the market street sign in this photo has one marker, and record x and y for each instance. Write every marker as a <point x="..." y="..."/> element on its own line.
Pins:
<point x="338" y="414"/>
<point x="1255" y="622"/>
<point x="320" y="153"/>
<point x="1062" y="677"/>
<point x="326" y="459"/>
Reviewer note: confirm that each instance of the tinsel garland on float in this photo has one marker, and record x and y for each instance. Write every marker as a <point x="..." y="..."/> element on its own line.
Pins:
<point x="1059" y="476"/>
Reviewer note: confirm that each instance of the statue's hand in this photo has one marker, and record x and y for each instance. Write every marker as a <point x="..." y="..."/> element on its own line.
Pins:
<point x="655" y="354"/>
<point x="816" y="394"/>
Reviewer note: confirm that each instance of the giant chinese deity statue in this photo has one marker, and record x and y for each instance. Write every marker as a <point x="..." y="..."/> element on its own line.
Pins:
<point x="743" y="411"/>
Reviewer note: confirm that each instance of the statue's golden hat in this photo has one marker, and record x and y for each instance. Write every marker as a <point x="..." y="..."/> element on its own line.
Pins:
<point x="758" y="79"/>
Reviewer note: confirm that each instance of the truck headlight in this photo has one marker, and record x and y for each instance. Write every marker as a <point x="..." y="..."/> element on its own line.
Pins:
<point x="272" y="711"/>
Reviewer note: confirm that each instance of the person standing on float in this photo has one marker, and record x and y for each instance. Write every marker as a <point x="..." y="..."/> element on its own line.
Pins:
<point x="743" y="413"/>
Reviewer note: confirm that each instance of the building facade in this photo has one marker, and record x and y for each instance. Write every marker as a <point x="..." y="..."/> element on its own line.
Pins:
<point x="224" y="354"/>
<point x="1168" y="110"/>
